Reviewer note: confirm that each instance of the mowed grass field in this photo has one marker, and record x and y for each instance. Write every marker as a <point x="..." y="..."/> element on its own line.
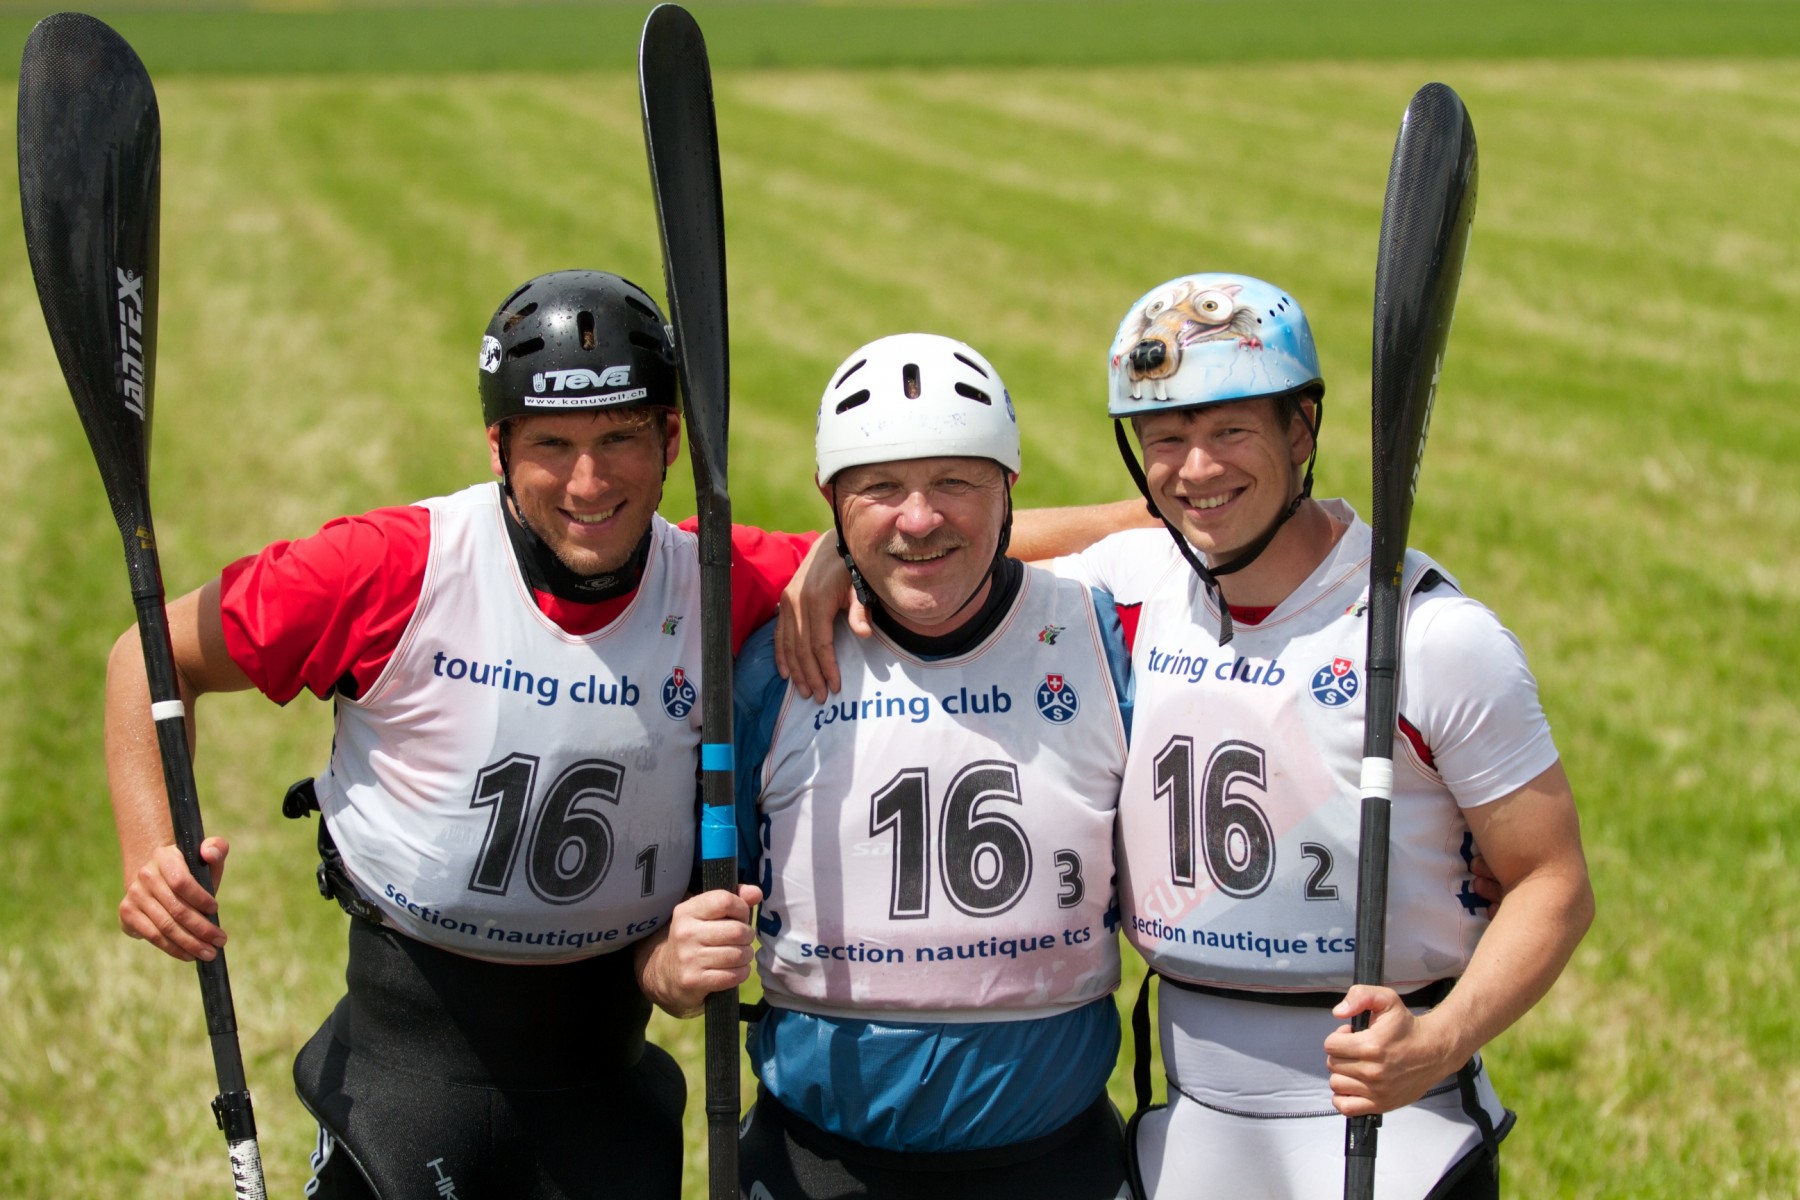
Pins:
<point x="1611" y="463"/>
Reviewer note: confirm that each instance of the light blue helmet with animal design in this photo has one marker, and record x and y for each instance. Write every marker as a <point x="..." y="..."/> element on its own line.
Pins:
<point x="1209" y="339"/>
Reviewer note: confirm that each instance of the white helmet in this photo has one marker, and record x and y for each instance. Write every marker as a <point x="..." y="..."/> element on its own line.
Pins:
<point x="915" y="395"/>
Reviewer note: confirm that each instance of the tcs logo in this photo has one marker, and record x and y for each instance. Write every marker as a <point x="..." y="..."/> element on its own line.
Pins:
<point x="1335" y="684"/>
<point x="1056" y="700"/>
<point x="679" y="694"/>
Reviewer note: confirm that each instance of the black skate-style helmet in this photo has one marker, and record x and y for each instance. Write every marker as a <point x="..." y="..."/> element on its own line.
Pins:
<point x="575" y="340"/>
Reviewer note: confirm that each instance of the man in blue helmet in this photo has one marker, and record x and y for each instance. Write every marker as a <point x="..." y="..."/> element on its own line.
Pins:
<point x="933" y="842"/>
<point x="508" y="813"/>
<point x="1239" y="813"/>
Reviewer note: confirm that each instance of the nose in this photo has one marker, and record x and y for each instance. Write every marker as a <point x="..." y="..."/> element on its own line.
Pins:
<point x="1148" y="355"/>
<point x="585" y="477"/>
<point x="1197" y="465"/>
<point x="918" y="516"/>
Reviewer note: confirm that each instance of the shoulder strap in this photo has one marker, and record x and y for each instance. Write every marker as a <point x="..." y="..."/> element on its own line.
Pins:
<point x="1140" y="1042"/>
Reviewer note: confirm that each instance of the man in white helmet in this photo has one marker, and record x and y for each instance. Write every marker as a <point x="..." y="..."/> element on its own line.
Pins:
<point x="933" y="843"/>
<point x="1238" y="817"/>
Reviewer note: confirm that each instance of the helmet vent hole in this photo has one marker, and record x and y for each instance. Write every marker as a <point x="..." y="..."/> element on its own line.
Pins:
<point x="909" y="379"/>
<point x="850" y="402"/>
<point x="513" y="319"/>
<point x="974" y="393"/>
<point x="525" y="348"/>
<point x="839" y="382"/>
<point x="648" y="311"/>
<point x="584" y="325"/>
<point x="973" y="366"/>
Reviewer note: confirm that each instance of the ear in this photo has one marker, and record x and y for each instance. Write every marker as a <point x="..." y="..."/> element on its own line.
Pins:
<point x="494" y="446"/>
<point x="1301" y="437"/>
<point x="671" y="437"/>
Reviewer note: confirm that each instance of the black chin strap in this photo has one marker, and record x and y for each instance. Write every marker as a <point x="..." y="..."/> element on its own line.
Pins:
<point x="1256" y="548"/>
<point x="1181" y="543"/>
<point x="858" y="584"/>
<point x="1210" y="575"/>
<point x="544" y="571"/>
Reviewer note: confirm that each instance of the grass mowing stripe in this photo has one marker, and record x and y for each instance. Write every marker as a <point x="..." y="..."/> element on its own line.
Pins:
<point x="238" y="38"/>
<point x="1610" y="469"/>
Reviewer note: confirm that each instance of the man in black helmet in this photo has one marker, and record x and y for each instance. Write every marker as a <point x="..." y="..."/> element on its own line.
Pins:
<point x="508" y="813"/>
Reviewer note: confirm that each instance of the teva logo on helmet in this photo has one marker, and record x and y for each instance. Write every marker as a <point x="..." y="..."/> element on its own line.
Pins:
<point x="581" y="377"/>
<point x="588" y="383"/>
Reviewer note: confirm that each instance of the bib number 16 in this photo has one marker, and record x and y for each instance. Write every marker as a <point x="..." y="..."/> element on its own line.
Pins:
<point x="1219" y="822"/>
<point x="984" y="856"/>
<point x="570" y="847"/>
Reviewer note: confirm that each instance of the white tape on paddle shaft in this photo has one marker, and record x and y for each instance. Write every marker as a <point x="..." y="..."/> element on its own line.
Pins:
<point x="246" y="1168"/>
<point x="162" y="710"/>
<point x="1378" y="778"/>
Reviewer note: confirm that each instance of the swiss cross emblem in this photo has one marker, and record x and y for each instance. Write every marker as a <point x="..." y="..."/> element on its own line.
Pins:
<point x="678" y="695"/>
<point x="1335" y="684"/>
<point x="1056" y="700"/>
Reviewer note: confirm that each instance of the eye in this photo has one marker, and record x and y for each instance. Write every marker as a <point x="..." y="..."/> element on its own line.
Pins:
<point x="1214" y="305"/>
<point x="1155" y="308"/>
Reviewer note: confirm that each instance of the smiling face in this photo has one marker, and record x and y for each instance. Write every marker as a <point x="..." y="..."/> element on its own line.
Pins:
<point x="923" y="533"/>
<point x="1223" y="473"/>
<point x="587" y="482"/>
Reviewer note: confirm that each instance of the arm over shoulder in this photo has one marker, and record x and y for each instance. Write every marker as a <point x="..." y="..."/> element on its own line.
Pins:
<point x="1125" y="565"/>
<point x="762" y="562"/>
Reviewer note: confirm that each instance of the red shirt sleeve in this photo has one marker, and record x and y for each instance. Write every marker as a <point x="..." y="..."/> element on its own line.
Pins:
<point x="326" y="612"/>
<point x="1128" y="623"/>
<point x="762" y="562"/>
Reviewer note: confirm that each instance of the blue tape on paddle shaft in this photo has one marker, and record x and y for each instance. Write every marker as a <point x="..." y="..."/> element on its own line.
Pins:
<point x="717" y="756"/>
<point x="718" y="832"/>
